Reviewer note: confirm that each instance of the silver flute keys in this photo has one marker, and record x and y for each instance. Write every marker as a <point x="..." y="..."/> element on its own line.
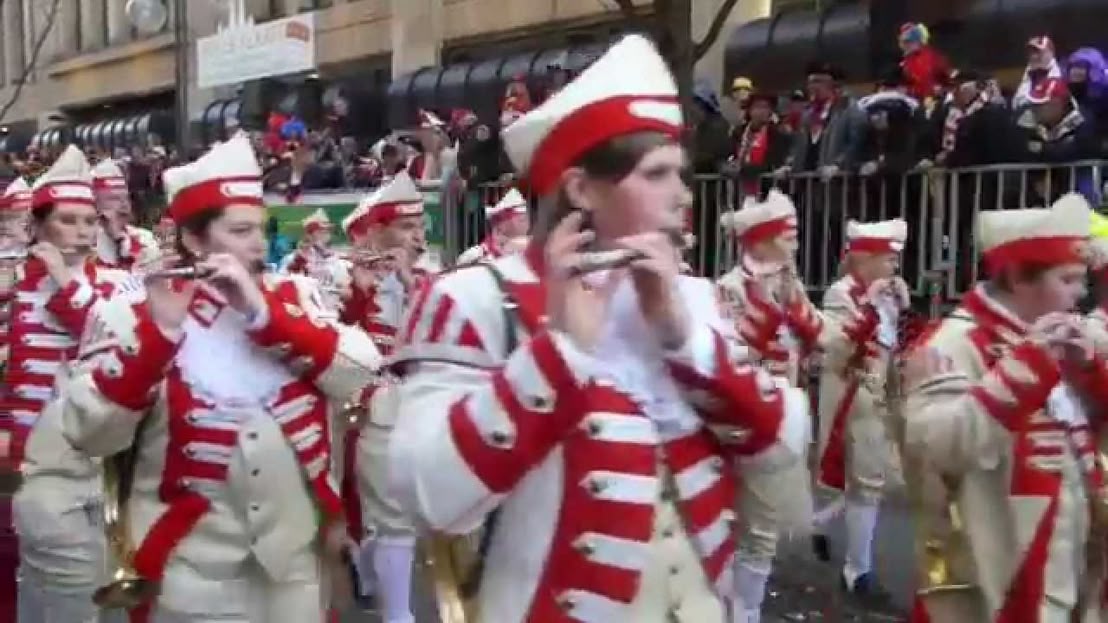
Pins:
<point x="593" y="261"/>
<point x="180" y="272"/>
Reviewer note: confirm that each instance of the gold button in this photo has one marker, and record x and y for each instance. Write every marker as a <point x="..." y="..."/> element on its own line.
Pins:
<point x="567" y="602"/>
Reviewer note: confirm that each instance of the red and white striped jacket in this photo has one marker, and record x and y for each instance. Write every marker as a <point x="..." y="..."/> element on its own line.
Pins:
<point x="47" y="323"/>
<point x="577" y="464"/>
<point x="234" y="450"/>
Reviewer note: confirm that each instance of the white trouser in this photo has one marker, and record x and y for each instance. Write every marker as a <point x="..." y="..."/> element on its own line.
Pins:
<point x="62" y="558"/>
<point x="250" y="597"/>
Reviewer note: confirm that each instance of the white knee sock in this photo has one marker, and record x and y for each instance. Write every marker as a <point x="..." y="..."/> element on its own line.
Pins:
<point x="363" y="560"/>
<point x="861" y="522"/>
<point x="392" y="561"/>
<point x="750" y="586"/>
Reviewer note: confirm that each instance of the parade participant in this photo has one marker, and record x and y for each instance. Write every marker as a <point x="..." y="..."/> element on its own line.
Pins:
<point x="118" y="243"/>
<point x="508" y="223"/>
<point x="854" y="393"/>
<point x="771" y="312"/>
<point x="58" y="291"/>
<point x="314" y="258"/>
<point x="221" y="386"/>
<point x="15" y="208"/>
<point x="998" y="446"/>
<point x="598" y="439"/>
<point x="387" y="231"/>
<point x="166" y="234"/>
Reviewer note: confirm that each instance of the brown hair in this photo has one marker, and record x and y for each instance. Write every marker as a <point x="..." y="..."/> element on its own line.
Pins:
<point x="1020" y="273"/>
<point x="611" y="161"/>
<point x="197" y="225"/>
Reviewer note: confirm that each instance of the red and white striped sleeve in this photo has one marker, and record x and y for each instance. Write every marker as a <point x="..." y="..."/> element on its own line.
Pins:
<point x="472" y="423"/>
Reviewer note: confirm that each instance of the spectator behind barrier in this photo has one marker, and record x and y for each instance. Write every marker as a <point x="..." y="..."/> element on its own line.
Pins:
<point x="831" y="131"/>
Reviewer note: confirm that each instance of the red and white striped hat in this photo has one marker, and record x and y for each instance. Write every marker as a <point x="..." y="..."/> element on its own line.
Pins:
<point x="227" y="175"/>
<point x="1043" y="236"/>
<point x="69" y="179"/>
<point x="108" y="178"/>
<point x="396" y="199"/>
<point x="629" y="89"/>
<point x="16" y="197"/>
<point x="761" y="221"/>
<point x="879" y="237"/>
<point x="511" y="204"/>
<point x="317" y="221"/>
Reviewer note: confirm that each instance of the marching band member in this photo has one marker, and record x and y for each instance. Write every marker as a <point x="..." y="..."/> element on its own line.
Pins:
<point x="508" y="224"/>
<point x="769" y="306"/>
<point x="998" y="442"/>
<point x="221" y="385"/>
<point x="854" y="393"/>
<point x="315" y="259"/>
<point x="59" y="289"/>
<point x="598" y="439"/>
<point x="117" y="242"/>
<point x="15" y="208"/>
<point x="387" y="229"/>
<point x="165" y="232"/>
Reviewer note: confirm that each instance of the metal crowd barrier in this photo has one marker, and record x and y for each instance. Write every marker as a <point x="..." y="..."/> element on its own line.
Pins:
<point x="940" y="206"/>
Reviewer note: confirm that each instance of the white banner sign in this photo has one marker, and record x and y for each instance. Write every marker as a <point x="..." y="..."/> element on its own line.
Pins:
<point x="244" y="51"/>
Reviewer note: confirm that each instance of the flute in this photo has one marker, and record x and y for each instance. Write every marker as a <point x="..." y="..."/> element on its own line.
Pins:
<point x="179" y="272"/>
<point x="593" y="261"/>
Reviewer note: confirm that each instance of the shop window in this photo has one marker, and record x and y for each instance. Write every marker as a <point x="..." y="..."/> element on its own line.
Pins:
<point x="312" y="5"/>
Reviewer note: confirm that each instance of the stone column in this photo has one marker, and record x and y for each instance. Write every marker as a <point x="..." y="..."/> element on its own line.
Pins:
<point x="119" y="28"/>
<point x="13" y="34"/>
<point x="417" y="33"/>
<point x="66" y="29"/>
<point x="93" y="35"/>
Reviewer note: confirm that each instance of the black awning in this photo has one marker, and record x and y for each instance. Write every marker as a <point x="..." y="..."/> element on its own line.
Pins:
<point x="425" y="89"/>
<point x="215" y="120"/>
<point x="452" y="86"/>
<point x="775" y="52"/>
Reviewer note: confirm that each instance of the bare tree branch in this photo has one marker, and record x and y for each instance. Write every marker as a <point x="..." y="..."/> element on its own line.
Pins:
<point x="32" y="62"/>
<point x="713" y="31"/>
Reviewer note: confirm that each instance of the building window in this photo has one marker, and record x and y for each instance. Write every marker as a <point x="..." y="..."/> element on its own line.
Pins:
<point x="312" y="5"/>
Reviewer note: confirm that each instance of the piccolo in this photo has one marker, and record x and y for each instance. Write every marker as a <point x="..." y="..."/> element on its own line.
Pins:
<point x="180" y="272"/>
<point x="594" y="261"/>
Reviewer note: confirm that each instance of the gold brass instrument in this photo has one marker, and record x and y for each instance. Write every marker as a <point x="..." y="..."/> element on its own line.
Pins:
<point x="455" y="573"/>
<point x="125" y="589"/>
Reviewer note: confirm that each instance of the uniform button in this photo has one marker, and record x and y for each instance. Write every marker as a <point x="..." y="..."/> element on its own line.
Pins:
<point x="255" y="471"/>
<point x="254" y="541"/>
<point x="252" y="435"/>
<point x="668" y="532"/>
<point x="674" y="569"/>
<point x="255" y="507"/>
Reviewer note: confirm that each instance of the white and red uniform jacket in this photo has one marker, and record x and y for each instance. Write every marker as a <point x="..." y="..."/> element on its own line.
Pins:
<point x="487" y="250"/>
<point x="137" y="247"/>
<point x="10" y="260"/>
<point x="47" y="325"/>
<point x="230" y="420"/>
<point x="1005" y="450"/>
<point x="327" y="268"/>
<point x="613" y="475"/>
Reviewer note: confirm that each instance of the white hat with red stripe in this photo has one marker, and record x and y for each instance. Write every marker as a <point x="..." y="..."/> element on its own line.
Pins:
<point x="879" y="237"/>
<point x="396" y="199"/>
<point x="1040" y="236"/>
<point x="69" y="179"/>
<point x="227" y="175"/>
<point x="17" y="196"/>
<point x="428" y="119"/>
<point x="317" y="221"/>
<point x="108" y="178"/>
<point x="628" y="90"/>
<point x="761" y="221"/>
<point x="511" y="204"/>
<point x="1042" y="43"/>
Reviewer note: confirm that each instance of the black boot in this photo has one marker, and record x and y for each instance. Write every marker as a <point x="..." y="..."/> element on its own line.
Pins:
<point x="821" y="547"/>
<point x="868" y="592"/>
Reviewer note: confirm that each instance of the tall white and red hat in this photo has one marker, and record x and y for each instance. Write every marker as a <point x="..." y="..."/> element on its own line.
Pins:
<point x="428" y="119"/>
<point x="628" y="90"/>
<point x="108" y="179"/>
<point x="513" y="203"/>
<point x="227" y="175"/>
<point x="877" y="237"/>
<point x="69" y="179"/>
<point x="317" y="221"/>
<point x="761" y="221"/>
<point x="398" y="198"/>
<point x="1038" y="236"/>
<point x="16" y="197"/>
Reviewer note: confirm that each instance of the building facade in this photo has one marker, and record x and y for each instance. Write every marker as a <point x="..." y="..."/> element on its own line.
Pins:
<point x="74" y="62"/>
